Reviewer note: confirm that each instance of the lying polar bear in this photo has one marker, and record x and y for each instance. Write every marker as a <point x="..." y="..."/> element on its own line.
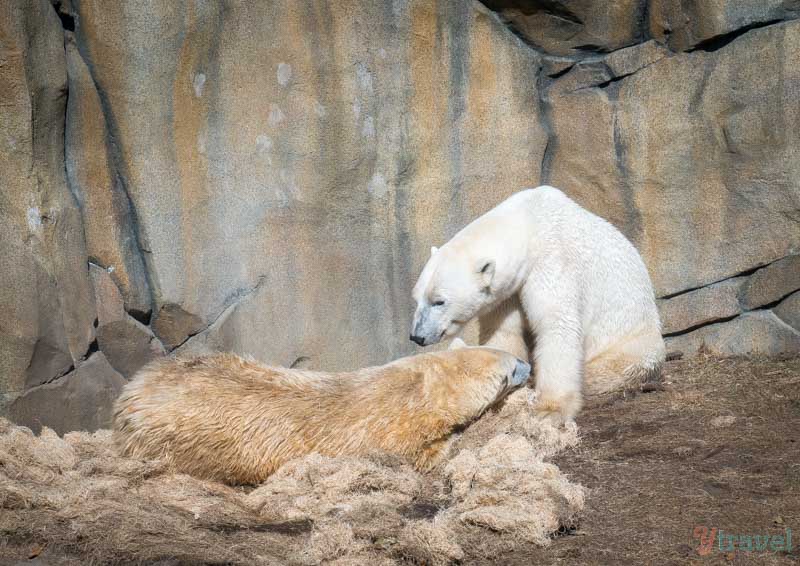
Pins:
<point x="540" y="263"/>
<point x="226" y="418"/>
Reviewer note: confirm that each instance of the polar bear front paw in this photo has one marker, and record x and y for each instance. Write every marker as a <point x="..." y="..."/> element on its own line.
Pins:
<point x="558" y="411"/>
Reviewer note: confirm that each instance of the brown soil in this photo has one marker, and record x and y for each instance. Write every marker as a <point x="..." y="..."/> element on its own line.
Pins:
<point x="716" y="446"/>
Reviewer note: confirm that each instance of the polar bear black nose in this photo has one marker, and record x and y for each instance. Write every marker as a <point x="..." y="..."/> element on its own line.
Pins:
<point x="417" y="339"/>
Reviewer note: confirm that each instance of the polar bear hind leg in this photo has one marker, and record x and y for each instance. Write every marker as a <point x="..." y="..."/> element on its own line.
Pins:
<point x="625" y="365"/>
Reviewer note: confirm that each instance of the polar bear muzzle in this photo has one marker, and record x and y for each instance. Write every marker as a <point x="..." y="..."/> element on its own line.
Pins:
<point x="521" y="373"/>
<point x="432" y="325"/>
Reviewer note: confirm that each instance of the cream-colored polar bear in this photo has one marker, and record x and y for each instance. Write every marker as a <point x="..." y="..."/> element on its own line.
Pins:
<point x="538" y="265"/>
<point x="227" y="418"/>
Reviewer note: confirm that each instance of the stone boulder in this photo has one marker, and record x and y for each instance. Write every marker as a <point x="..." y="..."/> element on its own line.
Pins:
<point x="81" y="400"/>
<point x="128" y="344"/>
<point x="757" y="332"/>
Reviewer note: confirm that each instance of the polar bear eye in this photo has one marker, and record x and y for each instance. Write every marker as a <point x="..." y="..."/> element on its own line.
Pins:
<point x="438" y="303"/>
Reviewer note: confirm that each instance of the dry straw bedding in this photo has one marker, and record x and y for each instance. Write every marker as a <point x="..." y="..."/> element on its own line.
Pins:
<point x="497" y="491"/>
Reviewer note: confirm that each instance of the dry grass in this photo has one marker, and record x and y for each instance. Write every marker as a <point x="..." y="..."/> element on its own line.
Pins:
<point x="76" y="499"/>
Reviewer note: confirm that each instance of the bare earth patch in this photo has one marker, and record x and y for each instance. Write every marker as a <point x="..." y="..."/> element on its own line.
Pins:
<point x="716" y="446"/>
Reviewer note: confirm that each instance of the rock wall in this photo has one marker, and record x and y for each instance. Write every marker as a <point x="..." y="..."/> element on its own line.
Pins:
<point x="268" y="177"/>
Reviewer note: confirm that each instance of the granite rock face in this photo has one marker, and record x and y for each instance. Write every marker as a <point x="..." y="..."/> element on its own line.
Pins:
<point x="701" y="176"/>
<point x="268" y="178"/>
<point x="308" y="173"/>
<point x="758" y="332"/>
<point x="704" y="24"/>
<point x="757" y="313"/>
<point x="45" y="296"/>
<point x="789" y="310"/>
<point x="109" y="220"/>
<point x="772" y="283"/>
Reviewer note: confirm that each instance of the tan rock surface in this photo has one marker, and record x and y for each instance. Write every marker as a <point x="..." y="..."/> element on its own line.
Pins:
<point x="322" y="162"/>
<point x="570" y="27"/>
<point x="268" y="178"/>
<point x="772" y="283"/>
<point x="686" y="24"/>
<point x="81" y="400"/>
<point x="108" y="218"/>
<point x="701" y="306"/>
<point x="701" y="176"/>
<point x="45" y="296"/>
<point x="789" y="310"/>
<point x="757" y="332"/>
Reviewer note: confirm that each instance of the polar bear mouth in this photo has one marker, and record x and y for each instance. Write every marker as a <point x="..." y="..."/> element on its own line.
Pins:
<point x="500" y="401"/>
<point x="510" y="388"/>
<point x="451" y="329"/>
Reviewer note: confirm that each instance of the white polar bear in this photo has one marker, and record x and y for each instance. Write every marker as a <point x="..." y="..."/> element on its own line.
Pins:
<point x="538" y="265"/>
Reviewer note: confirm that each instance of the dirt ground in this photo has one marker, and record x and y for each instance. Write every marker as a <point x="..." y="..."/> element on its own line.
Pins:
<point x="718" y="446"/>
<point x="715" y="447"/>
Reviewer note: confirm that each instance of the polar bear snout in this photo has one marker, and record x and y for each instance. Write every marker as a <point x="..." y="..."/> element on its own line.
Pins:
<point x="425" y="339"/>
<point x="425" y="330"/>
<point x="431" y="325"/>
<point x="521" y="373"/>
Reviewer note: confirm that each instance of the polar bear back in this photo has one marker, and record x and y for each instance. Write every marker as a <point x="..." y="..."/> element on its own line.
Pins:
<point x="572" y="246"/>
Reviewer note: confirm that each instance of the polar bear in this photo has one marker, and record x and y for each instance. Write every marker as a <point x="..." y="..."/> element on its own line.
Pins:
<point x="226" y="418"/>
<point x="538" y="267"/>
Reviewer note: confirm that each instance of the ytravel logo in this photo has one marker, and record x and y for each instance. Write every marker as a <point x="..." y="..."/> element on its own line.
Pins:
<point x="714" y="539"/>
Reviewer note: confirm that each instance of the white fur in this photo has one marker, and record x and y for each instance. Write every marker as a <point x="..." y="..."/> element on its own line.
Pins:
<point x="540" y="263"/>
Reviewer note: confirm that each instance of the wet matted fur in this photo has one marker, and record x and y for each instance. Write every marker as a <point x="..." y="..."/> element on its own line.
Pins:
<point x="231" y="419"/>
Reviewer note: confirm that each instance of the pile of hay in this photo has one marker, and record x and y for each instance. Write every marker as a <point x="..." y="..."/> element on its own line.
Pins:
<point x="495" y="493"/>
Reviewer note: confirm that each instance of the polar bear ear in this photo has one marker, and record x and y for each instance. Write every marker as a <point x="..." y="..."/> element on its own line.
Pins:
<point x="457" y="344"/>
<point x="486" y="272"/>
<point x="434" y="249"/>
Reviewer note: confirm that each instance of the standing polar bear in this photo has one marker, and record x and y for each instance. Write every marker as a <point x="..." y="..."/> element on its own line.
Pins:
<point x="538" y="265"/>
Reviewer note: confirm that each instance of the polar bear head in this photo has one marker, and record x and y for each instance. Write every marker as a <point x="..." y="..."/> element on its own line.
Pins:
<point x="465" y="381"/>
<point x="454" y="286"/>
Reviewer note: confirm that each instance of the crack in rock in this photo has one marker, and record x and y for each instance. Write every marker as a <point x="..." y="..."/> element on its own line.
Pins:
<point x="236" y="299"/>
